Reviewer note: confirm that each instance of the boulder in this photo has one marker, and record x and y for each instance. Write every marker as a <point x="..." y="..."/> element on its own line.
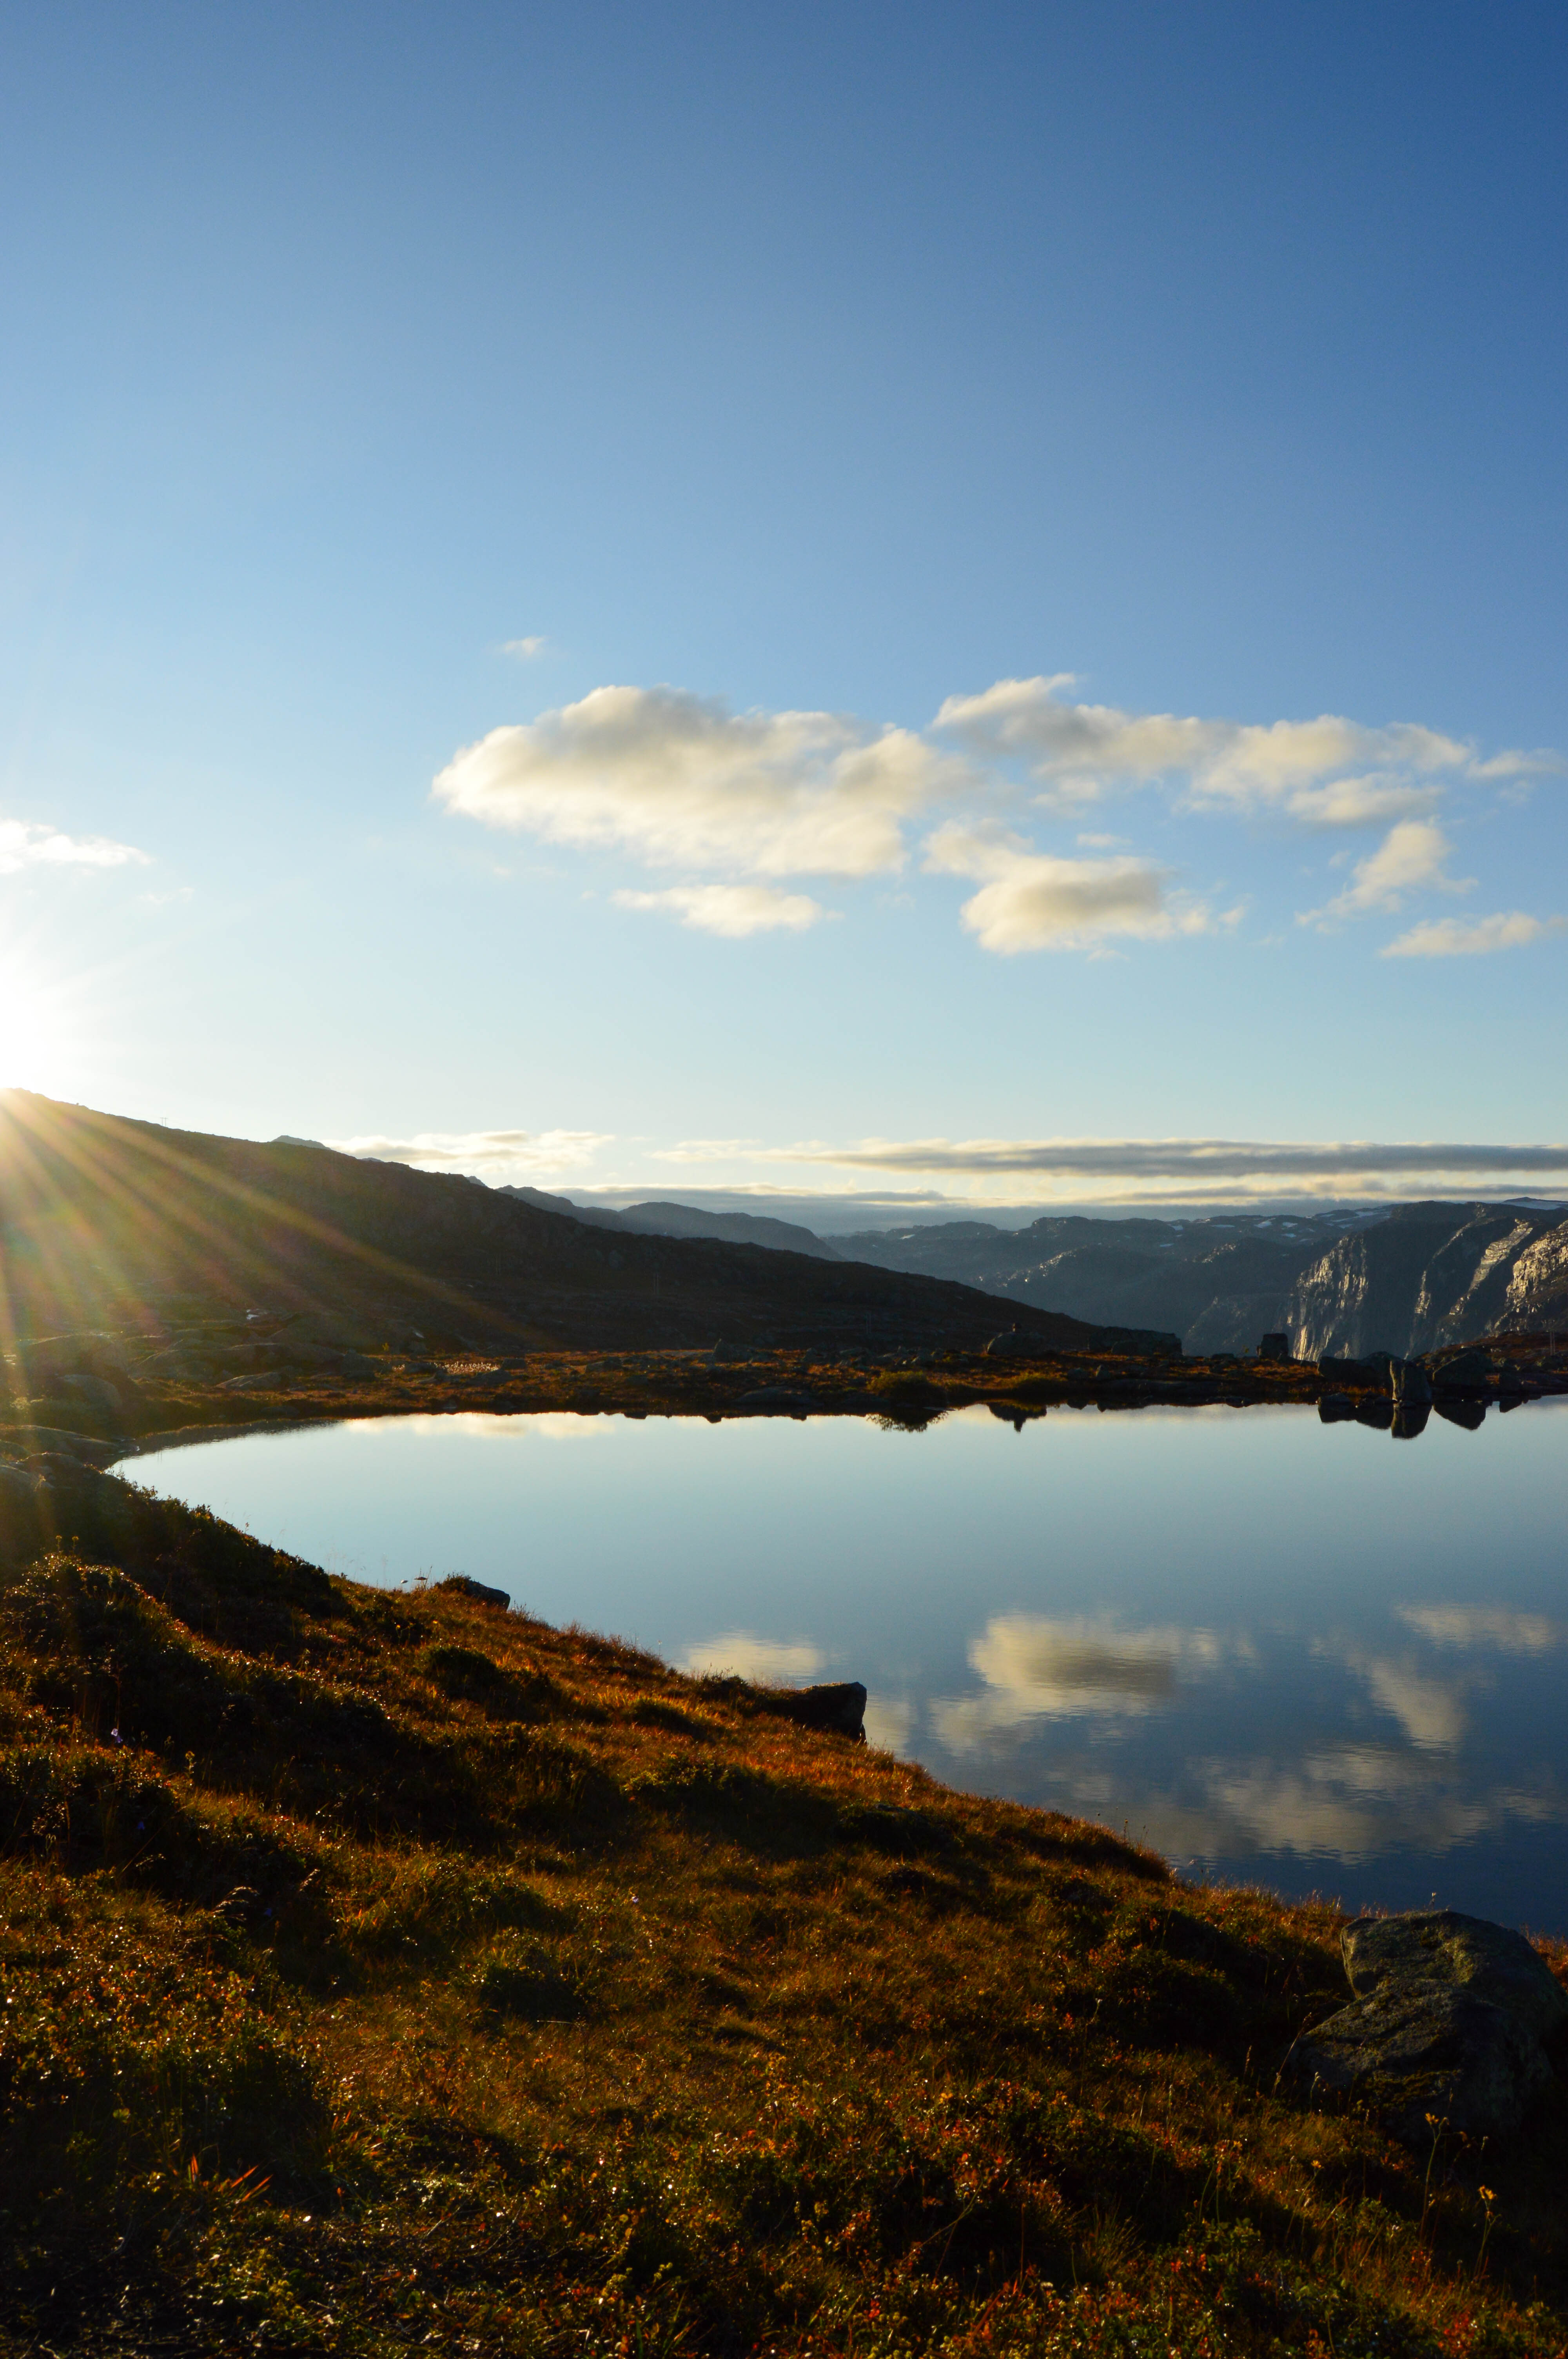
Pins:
<point x="96" y="1391"/>
<point x="479" y="1591"/>
<point x="1409" y="1383"/>
<point x="1467" y="1371"/>
<point x="838" y="1705"/>
<point x="1336" y="1409"/>
<point x="1450" y="2026"/>
<point x="1470" y="1414"/>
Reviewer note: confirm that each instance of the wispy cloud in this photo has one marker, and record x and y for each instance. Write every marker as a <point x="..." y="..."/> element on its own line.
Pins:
<point x="1411" y="858"/>
<point x="1083" y="752"/>
<point x="1496" y="1627"/>
<point x="731" y="910"/>
<point x="27" y="843"/>
<point x="1344" y="1166"/>
<point x="498" y="1157"/>
<point x="526" y="650"/>
<point x="1508" y="930"/>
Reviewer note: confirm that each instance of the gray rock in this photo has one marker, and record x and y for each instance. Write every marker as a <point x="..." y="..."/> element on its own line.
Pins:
<point x="1409" y="1383"/>
<point x="96" y="1391"/>
<point x="1450" y="2026"/>
<point x="1336" y="1409"/>
<point x="54" y="1440"/>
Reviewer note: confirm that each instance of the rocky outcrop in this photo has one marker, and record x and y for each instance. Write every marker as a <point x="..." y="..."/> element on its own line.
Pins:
<point x="1428" y="1276"/>
<point x="1538" y="1283"/>
<point x="1452" y="2025"/>
<point x="1404" y="1282"/>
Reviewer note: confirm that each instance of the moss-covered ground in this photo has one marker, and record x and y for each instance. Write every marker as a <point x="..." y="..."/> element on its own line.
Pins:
<point x="390" y="1972"/>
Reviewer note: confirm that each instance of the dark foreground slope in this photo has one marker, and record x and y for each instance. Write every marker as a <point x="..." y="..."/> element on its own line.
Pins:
<point x="104" y="1219"/>
<point x="390" y="1972"/>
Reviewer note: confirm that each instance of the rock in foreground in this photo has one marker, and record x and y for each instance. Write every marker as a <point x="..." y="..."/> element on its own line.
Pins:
<point x="1451" y="2023"/>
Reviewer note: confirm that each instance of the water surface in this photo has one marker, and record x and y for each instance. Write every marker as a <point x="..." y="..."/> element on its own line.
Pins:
<point x="1312" y="1657"/>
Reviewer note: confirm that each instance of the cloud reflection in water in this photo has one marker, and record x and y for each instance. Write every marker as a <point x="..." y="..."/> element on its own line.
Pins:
<point x="1038" y="1668"/>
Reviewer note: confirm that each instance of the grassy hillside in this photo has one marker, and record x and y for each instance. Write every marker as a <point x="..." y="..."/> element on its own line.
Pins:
<point x="105" y="1222"/>
<point x="384" y="1973"/>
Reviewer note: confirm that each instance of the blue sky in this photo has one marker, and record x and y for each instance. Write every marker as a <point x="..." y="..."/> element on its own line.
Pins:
<point x="671" y="430"/>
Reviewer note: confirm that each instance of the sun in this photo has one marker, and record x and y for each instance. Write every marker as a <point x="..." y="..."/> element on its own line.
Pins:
<point x="36" y="1027"/>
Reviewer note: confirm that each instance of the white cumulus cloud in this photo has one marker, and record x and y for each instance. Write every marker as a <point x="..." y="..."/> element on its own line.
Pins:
<point x="1031" y="902"/>
<point x="671" y="780"/>
<point x="674" y="779"/>
<point x="731" y="910"/>
<point x="27" y="843"/>
<point x="1506" y="929"/>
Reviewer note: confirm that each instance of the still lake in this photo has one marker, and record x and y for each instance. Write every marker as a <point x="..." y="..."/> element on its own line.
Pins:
<point x="1310" y="1656"/>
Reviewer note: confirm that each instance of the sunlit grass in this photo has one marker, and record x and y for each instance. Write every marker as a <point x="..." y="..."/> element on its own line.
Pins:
<point x="384" y="1970"/>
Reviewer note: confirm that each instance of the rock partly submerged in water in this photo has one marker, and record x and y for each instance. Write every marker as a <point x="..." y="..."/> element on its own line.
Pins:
<point x="1451" y="2026"/>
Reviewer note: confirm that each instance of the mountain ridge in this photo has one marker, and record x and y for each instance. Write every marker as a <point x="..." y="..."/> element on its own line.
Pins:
<point x="104" y="1219"/>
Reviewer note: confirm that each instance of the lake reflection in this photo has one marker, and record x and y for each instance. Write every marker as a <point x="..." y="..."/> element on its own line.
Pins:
<point x="1314" y="1656"/>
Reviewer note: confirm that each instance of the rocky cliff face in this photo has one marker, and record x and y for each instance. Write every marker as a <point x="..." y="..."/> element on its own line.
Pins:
<point x="1339" y="1282"/>
<point x="1431" y="1275"/>
<point x="1219" y="1283"/>
<point x="1538" y="1283"/>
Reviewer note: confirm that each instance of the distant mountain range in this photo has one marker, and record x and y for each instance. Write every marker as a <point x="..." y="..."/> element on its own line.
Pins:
<point x="104" y="1220"/>
<point x="660" y="1220"/>
<point x="1403" y="1279"/>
